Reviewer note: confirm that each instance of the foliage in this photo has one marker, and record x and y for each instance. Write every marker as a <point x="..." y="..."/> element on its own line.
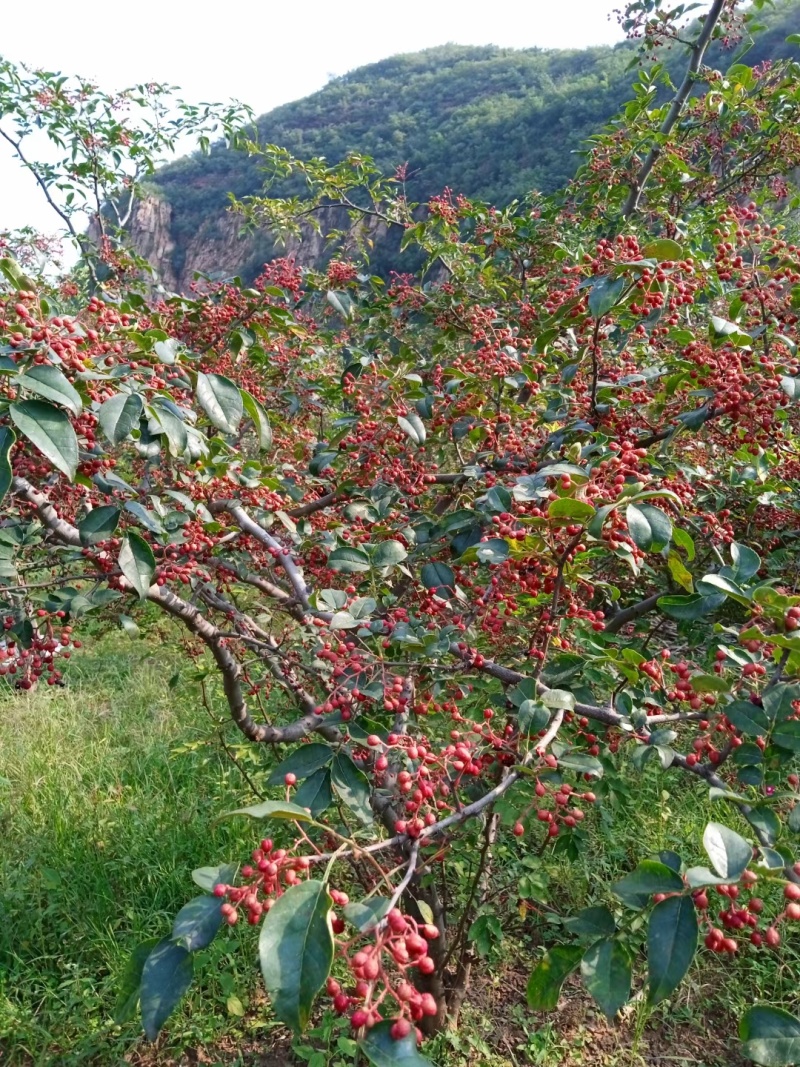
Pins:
<point x="490" y="123"/>
<point x="102" y="148"/>
<point x="470" y="543"/>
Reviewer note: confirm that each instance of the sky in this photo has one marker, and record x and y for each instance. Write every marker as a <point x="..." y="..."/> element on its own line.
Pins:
<point x="263" y="53"/>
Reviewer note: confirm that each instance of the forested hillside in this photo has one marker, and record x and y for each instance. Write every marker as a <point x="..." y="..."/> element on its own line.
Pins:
<point x="492" y="123"/>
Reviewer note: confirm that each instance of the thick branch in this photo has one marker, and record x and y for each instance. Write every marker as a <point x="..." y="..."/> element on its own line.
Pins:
<point x="303" y="510"/>
<point x="283" y="555"/>
<point x="63" y="530"/>
<point x="635" y="611"/>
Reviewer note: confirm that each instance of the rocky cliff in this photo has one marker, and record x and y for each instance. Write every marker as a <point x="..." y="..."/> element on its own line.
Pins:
<point x="219" y="248"/>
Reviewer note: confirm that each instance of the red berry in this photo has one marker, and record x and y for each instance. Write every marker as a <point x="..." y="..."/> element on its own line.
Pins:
<point x="401" y="1029"/>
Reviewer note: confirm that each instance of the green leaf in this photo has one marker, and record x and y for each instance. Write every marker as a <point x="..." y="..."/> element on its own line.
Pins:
<point x="439" y="578"/>
<point x="315" y="793"/>
<point x="49" y="430"/>
<point x="119" y="415"/>
<point x="208" y="877"/>
<point x="605" y="293"/>
<point x="570" y="510"/>
<point x="129" y="626"/>
<point x="259" y="418"/>
<point x="664" y="250"/>
<point x="130" y="984"/>
<point x="532" y="717"/>
<point x="382" y="1050"/>
<point x="137" y="563"/>
<point x="49" y="382"/>
<point x="322" y="461"/>
<point x="144" y="516"/>
<point x="649" y="877"/>
<point x="495" y="550"/>
<point x="166" y="975"/>
<point x="765" y="822"/>
<point x="558" y="698"/>
<point x="725" y="585"/>
<point x="671" y="945"/>
<point x="770" y="1036"/>
<point x="596" y="921"/>
<point x="303" y="762"/>
<point x="221" y="400"/>
<point x="746" y="562"/>
<point x="581" y="763"/>
<point x="672" y="859"/>
<point x="388" y="553"/>
<point x="362" y="607"/>
<point x="351" y="786"/>
<point x="167" y="351"/>
<point x="10" y="268"/>
<point x="272" y="809"/>
<point x="295" y="949"/>
<point x="349" y="560"/>
<point x="235" y="1006"/>
<point x="197" y="923"/>
<point x="747" y="718"/>
<point x="686" y="608"/>
<point x="680" y="575"/>
<point x="426" y="911"/>
<point x="787" y="735"/>
<point x="724" y="328"/>
<point x="544" y="984"/>
<point x="697" y="877"/>
<point x="684" y="541"/>
<point x="164" y="421"/>
<point x="366" y="914"/>
<point x="728" y="851"/>
<point x="606" y="973"/>
<point x="778" y="701"/>
<point x="99" y="524"/>
<point x="649" y="527"/>
<point x="7" y="439"/>
<point x="413" y="427"/>
<point x="485" y="932"/>
<point x="341" y="303"/>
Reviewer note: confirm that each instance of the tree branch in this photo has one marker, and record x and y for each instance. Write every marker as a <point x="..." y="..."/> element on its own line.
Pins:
<point x="674" y="113"/>
<point x="635" y="611"/>
<point x="62" y="529"/>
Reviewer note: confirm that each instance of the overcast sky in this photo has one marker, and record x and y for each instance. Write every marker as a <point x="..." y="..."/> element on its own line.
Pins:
<point x="263" y="53"/>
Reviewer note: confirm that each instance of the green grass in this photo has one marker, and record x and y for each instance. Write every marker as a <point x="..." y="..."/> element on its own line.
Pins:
<point x="108" y="790"/>
<point x="108" y="794"/>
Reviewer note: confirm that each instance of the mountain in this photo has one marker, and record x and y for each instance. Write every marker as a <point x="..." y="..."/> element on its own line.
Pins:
<point x="492" y="123"/>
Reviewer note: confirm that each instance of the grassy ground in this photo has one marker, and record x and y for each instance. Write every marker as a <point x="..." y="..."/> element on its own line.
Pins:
<point x="108" y="791"/>
<point x="107" y="796"/>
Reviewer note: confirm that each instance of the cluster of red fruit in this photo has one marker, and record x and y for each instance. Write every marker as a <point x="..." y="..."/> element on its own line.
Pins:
<point x="272" y="871"/>
<point x="561" y="815"/>
<point x="27" y="663"/>
<point x="381" y="972"/>
<point x="741" y="917"/>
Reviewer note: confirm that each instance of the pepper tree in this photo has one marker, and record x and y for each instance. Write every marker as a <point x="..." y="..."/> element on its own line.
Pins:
<point x="464" y="545"/>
